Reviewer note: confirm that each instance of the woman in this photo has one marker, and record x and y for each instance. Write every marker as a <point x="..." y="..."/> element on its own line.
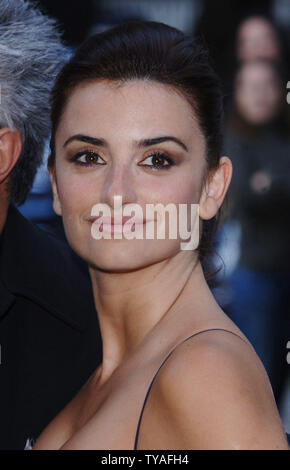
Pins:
<point x="137" y="114"/>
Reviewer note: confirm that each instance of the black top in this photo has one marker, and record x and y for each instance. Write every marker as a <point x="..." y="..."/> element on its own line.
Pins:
<point x="152" y="381"/>
<point x="49" y="332"/>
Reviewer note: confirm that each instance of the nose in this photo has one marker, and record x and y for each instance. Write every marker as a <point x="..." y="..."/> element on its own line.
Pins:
<point x="118" y="182"/>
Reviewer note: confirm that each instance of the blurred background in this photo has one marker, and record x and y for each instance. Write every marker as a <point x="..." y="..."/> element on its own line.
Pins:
<point x="249" y="43"/>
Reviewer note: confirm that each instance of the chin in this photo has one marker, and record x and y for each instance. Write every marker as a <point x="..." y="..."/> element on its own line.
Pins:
<point x="120" y="256"/>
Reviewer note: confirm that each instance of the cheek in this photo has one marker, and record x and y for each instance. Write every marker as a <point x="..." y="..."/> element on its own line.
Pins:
<point x="178" y="187"/>
<point x="76" y="193"/>
<point x="184" y="193"/>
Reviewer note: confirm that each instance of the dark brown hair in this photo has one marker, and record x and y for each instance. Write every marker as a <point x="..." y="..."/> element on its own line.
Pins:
<point x="152" y="51"/>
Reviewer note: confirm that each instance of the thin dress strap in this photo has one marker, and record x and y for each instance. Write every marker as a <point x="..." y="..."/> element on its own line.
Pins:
<point x="152" y="381"/>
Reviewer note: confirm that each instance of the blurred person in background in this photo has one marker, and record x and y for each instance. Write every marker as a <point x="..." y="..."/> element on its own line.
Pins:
<point x="257" y="138"/>
<point x="48" y="325"/>
<point x="258" y="38"/>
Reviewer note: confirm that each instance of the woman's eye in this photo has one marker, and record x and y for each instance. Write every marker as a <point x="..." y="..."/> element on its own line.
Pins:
<point x="157" y="160"/>
<point x="87" y="158"/>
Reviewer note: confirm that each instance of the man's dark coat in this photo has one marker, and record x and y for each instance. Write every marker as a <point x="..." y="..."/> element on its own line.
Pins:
<point x="49" y="334"/>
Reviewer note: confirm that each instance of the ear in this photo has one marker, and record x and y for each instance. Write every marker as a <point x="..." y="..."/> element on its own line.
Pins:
<point x="56" y="201"/>
<point x="215" y="188"/>
<point x="10" y="149"/>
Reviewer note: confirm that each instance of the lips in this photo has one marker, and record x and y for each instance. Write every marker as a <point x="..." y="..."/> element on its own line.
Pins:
<point x="118" y="221"/>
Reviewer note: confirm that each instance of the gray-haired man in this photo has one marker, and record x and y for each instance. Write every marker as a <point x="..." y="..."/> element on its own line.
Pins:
<point x="49" y="337"/>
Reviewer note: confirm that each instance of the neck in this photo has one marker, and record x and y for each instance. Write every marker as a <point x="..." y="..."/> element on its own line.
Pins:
<point x="132" y="306"/>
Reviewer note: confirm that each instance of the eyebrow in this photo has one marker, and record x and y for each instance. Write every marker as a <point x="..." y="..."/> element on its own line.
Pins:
<point x="140" y="143"/>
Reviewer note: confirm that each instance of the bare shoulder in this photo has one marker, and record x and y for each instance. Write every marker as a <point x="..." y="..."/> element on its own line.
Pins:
<point x="212" y="393"/>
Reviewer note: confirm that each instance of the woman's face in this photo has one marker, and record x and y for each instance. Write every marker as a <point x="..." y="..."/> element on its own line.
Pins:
<point x="102" y="145"/>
